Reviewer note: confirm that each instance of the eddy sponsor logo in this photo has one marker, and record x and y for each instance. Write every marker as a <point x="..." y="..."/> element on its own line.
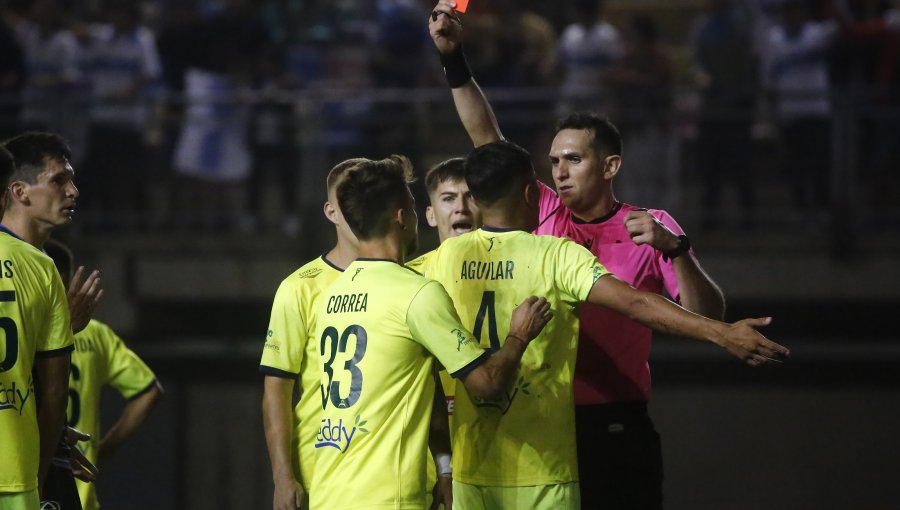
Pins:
<point x="12" y="396"/>
<point x="334" y="433"/>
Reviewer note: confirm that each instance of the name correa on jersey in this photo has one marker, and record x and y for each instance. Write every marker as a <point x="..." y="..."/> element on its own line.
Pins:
<point x="347" y="303"/>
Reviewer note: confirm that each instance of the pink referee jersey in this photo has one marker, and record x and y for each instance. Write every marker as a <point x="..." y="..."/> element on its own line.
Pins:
<point x="612" y="350"/>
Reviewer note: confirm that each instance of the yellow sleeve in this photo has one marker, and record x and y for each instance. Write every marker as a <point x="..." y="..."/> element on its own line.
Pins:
<point x="59" y="328"/>
<point x="420" y="264"/>
<point x="285" y="339"/>
<point x="128" y="373"/>
<point x="577" y="270"/>
<point x="434" y="323"/>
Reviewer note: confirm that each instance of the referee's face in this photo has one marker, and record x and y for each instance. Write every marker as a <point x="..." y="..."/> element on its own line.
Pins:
<point x="577" y="169"/>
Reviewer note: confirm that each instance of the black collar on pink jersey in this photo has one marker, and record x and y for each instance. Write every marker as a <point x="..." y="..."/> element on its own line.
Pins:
<point x="610" y="214"/>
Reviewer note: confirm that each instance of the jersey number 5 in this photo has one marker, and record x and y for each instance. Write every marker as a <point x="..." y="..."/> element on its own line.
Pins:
<point x="338" y="343"/>
<point x="11" y="332"/>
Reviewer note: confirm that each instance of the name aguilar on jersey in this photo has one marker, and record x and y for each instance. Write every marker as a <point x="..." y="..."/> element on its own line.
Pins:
<point x="478" y="270"/>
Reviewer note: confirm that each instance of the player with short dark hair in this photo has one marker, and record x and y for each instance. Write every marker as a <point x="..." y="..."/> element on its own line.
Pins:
<point x="38" y="340"/>
<point x="380" y="324"/>
<point x="503" y="460"/>
<point x="101" y="358"/>
<point x="620" y="462"/>
<point x="291" y="353"/>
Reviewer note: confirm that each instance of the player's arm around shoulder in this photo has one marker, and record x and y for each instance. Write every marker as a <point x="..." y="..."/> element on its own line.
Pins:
<point x="491" y="378"/>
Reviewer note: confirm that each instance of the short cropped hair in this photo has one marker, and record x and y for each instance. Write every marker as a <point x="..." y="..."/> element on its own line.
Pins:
<point x="335" y="174"/>
<point x="451" y="169"/>
<point x="607" y="139"/>
<point x="370" y="191"/>
<point x="32" y="150"/>
<point x="496" y="170"/>
<point x="62" y="257"/>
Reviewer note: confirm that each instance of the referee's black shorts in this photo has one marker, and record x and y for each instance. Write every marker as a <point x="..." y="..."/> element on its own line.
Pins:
<point x="619" y="457"/>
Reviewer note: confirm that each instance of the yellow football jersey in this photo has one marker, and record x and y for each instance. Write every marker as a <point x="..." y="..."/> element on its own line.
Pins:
<point x="291" y="352"/>
<point x="100" y="358"/>
<point x="448" y="383"/>
<point x="379" y="325"/>
<point x="34" y="319"/>
<point x="528" y="436"/>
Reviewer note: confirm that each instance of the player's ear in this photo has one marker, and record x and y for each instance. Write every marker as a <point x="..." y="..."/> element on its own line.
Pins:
<point x="330" y="212"/>
<point x="429" y="216"/>
<point x="532" y="194"/>
<point x="18" y="192"/>
<point x="611" y="166"/>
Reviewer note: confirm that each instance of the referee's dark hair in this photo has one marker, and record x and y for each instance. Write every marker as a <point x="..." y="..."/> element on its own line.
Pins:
<point x="371" y="190"/>
<point x="607" y="139"/>
<point x="498" y="170"/>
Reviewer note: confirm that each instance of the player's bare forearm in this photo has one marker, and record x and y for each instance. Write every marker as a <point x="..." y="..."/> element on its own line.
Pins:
<point x="490" y="379"/>
<point x="699" y="293"/>
<point x="658" y="313"/>
<point x="53" y="392"/>
<point x="439" y="431"/>
<point x="134" y="414"/>
<point x="476" y="114"/>
<point x="278" y="422"/>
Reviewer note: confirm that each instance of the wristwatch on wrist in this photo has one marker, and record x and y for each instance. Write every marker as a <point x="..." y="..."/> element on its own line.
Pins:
<point x="684" y="244"/>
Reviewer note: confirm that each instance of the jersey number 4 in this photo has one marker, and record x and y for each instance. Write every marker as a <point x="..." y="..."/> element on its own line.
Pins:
<point x="487" y="310"/>
<point x="335" y="342"/>
<point x="10" y="332"/>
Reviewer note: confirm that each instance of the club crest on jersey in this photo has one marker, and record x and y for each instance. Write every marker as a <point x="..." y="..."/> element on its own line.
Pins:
<point x="335" y="434"/>
<point x="13" y="398"/>
<point x="598" y="272"/>
<point x="462" y="338"/>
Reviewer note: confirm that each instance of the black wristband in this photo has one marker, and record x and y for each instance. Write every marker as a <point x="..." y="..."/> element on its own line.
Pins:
<point x="684" y="244"/>
<point x="456" y="68"/>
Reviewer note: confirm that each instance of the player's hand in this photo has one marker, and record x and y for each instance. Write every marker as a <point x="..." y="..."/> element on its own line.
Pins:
<point x="529" y="318"/>
<point x="82" y="468"/>
<point x="289" y="495"/>
<point x="83" y="297"/>
<point x="644" y="228"/>
<point x="442" y="493"/>
<point x="445" y="27"/>
<point x="744" y="341"/>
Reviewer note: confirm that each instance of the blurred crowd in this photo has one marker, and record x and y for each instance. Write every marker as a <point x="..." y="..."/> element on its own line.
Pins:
<point x="199" y="94"/>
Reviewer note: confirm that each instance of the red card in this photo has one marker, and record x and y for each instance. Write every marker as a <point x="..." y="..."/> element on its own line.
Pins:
<point x="462" y="5"/>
